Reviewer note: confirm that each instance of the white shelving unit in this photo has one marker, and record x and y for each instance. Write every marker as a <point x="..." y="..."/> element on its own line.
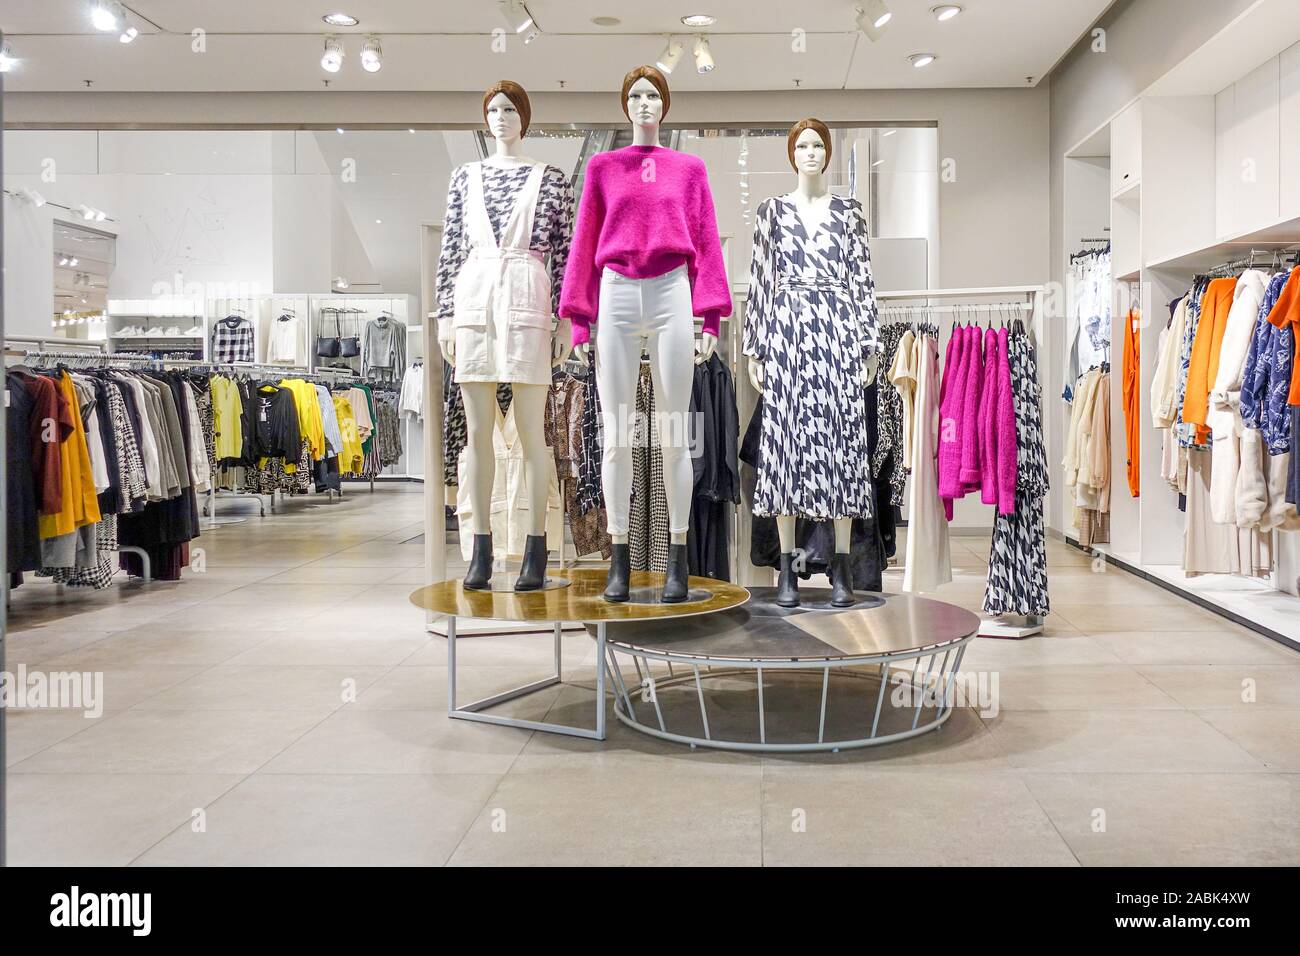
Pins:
<point x="1196" y="172"/>
<point x="155" y="318"/>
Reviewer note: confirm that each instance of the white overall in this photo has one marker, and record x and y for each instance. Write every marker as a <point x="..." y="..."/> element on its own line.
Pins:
<point x="501" y="317"/>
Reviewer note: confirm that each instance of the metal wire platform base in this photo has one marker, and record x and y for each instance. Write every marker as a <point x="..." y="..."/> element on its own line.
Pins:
<point x="759" y="677"/>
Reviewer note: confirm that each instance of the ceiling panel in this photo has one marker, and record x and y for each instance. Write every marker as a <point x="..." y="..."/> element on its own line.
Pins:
<point x="443" y="45"/>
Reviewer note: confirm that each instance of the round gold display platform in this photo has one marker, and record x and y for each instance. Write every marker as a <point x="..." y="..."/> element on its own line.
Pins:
<point x="580" y="601"/>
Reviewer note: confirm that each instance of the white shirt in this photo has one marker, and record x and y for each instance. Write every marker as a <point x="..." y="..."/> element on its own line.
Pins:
<point x="283" y="342"/>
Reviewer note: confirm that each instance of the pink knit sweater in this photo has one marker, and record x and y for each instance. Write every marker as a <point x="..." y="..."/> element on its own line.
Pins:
<point x="977" y="427"/>
<point x="645" y="210"/>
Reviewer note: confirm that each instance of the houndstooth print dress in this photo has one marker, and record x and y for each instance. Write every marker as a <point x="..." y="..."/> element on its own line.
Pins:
<point x="812" y="322"/>
<point x="1017" y="582"/>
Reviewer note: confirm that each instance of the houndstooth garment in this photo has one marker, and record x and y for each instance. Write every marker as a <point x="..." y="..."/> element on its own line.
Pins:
<point x="812" y="322"/>
<point x="648" y="520"/>
<point x="1017" y="582"/>
<point x="889" y="417"/>
<point x="272" y="477"/>
<point x="591" y="494"/>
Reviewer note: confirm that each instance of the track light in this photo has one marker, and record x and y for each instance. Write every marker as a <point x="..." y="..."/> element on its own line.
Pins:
<point x="331" y="60"/>
<point x="100" y="215"/>
<point x="63" y="260"/>
<point x="7" y="59"/>
<point x="872" y="17"/>
<point x="341" y="283"/>
<point x="671" y="56"/>
<point x="920" y="60"/>
<point x="73" y="261"/>
<point x="945" y="11"/>
<point x="372" y="55"/>
<point x="105" y="15"/>
<point x="84" y="211"/>
<point x="519" y="19"/>
<point x="703" y="58"/>
<point x="129" y="34"/>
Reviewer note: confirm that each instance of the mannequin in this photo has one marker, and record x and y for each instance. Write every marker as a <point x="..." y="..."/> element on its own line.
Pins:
<point x="828" y="294"/>
<point x="646" y="259"/>
<point x="499" y="325"/>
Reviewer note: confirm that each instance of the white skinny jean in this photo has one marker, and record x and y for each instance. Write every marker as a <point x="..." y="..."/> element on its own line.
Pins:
<point x="655" y="313"/>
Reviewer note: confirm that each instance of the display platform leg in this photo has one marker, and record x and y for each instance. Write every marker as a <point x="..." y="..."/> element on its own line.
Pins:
<point x="474" y="711"/>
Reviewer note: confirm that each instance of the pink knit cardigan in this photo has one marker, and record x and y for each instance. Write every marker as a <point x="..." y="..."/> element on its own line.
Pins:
<point x="977" y="428"/>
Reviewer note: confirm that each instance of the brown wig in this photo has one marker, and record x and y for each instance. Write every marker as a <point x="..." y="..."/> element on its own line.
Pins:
<point x="818" y="127"/>
<point x="656" y="78"/>
<point x="516" y="95"/>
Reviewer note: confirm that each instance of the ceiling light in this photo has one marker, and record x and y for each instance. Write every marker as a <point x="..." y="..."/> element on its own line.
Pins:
<point x="73" y="261"/>
<point x="372" y="55"/>
<point x="331" y="60"/>
<point x="100" y="215"/>
<point x="341" y="283"/>
<point x="129" y="34"/>
<point x="104" y="15"/>
<point x="672" y="54"/>
<point x="63" y="261"/>
<point x="410" y="131"/>
<point x="519" y="19"/>
<point x="945" y="11"/>
<point x="872" y="17"/>
<point x="340" y="20"/>
<point x="339" y="130"/>
<point x="606" y="21"/>
<point x="922" y="59"/>
<point x="699" y="20"/>
<point x="7" y="59"/>
<point x="703" y="58"/>
<point x="84" y="211"/>
<point x="379" y="222"/>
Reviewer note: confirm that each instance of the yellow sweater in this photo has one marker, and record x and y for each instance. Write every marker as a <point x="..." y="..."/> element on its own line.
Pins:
<point x="310" y="423"/>
<point x="80" y="505"/>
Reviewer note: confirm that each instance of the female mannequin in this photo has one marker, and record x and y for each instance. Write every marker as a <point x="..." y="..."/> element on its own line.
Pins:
<point x="496" y="300"/>
<point x="811" y="335"/>
<point x="646" y="259"/>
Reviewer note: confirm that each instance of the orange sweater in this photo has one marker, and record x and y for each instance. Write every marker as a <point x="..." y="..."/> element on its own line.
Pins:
<point x="80" y="504"/>
<point x="1287" y="309"/>
<point x="1204" y="365"/>
<point x="1132" y="371"/>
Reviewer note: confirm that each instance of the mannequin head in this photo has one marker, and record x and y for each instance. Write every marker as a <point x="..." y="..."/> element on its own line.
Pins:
<point x="645" y="96"/>
<point x="506" y="110"/>
<point x="809" y="146"/>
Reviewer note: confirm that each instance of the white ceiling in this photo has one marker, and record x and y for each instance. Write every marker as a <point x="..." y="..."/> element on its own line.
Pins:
<point x="274" y="45"/>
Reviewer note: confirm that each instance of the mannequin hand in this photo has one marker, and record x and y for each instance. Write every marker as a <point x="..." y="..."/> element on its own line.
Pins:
<point x="560" y="350"/>
<point x="582" y="351"/>
<point x="448" y="347"/>
<point x="708" y="345"/>
<point x="756" y="374"/>
<point x="869" y="369"/>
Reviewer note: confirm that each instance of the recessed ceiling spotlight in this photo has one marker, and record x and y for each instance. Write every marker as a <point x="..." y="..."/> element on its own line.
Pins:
<point x="340" y="20"/>
<point x="703" y="58"/>
<point x="672" y="54"/>
<point x="379" y="222"/>
<point x="128" y="34"/>
<point x="372" y="55"/>
<point x="331" y="60"/>
<point x="922" y="59"/>
<point x="699" y="20"/>
<point x="606" y="21"/>
<point x="945" y="11"/>
<point x="872" y="16"/>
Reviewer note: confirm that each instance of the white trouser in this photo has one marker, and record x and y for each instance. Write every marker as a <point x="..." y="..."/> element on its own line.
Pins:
<point x="655" y="313"/>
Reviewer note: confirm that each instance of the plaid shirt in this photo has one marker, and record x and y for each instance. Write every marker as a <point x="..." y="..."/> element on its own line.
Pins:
<point x="232" y="340"/>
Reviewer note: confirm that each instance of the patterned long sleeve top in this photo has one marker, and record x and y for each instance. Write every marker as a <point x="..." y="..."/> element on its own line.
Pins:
<point x="552" y="224"/>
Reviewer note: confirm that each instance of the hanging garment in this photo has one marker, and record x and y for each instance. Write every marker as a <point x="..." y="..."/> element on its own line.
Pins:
<point x="1286" y="312"/>
<point x="902" y="375"/>
<point x="284" y="341"/>
<point x="1213" y="548"/>
<point x="1195" y="298"/>
<point x="1017" y="580"/>
<point x="21" y="446"/>
<point x="1164" y="383"/>
<point x="510" y="521"/>
<point x="646" y="522"/>
<point x="79" y="505"/>
<point x="892" y="422"/>
<point x="928" y="561"/>
<point x="591" y="492"/>
<point x="815" y="539"/>
<point x="1088" y="321"/>
<point x="1132" y="372"/>
<point x="1266" y="378"/>
<point x="1216" y="305"/>
<point x="232" y="340"/>
<point x="383" y="349"/>
<point x="502" y="320"/>
<point x="714" y="439"/>
<point x="563" y="426"/>
<point x="963" y="353"/>
<point x="812" y="323"/>
<point x="996" y="446"/>
<point x="412" y="395"/>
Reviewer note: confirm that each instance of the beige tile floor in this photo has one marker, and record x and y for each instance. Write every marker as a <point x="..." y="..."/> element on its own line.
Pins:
<point x="285" y="705"/>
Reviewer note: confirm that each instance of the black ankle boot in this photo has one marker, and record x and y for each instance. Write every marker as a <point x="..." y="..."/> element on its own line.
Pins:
<point x="787" y="583"/>
<point x="479" y="575"/>
<point x="620" y="569"/>
<point x="532" y="574"/>
<point x="675" y="589"/>
<point x="841" y="582"/>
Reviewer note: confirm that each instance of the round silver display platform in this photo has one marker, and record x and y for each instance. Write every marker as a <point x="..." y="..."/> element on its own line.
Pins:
<point x="767" y="671"/>
<point x="655" y="595"/>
